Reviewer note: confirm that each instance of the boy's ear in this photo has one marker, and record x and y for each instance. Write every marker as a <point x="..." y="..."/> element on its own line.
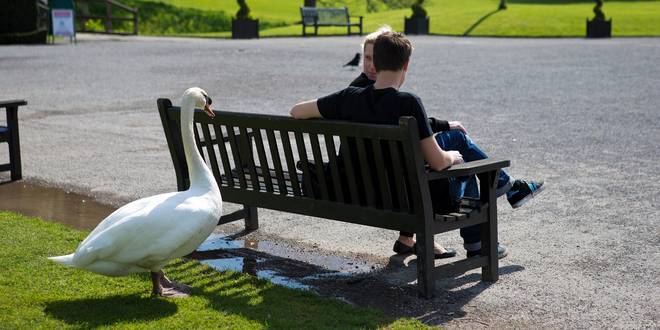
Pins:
<point x="405" y="65"/>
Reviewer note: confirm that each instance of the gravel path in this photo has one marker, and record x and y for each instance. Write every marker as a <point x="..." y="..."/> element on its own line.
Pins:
<point x="582" y="114"/>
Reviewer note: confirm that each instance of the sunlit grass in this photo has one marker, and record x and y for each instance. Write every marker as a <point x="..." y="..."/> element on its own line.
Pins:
<point x="36" y="293"/>
<point x="523" y="18"/>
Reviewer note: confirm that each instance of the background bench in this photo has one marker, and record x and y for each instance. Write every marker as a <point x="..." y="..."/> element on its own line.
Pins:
<point x="9" y="134"/>
<point x="253" y="158"/>
<point x="314" y="16"/>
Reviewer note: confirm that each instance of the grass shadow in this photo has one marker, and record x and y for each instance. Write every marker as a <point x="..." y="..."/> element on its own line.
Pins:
<point x="103" y="311"/>
<point x="260" y="300"/>
<point x="479" y="21"/>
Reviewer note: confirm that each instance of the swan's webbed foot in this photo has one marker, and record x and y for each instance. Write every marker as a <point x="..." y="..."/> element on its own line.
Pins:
<point x="163" y="287"/>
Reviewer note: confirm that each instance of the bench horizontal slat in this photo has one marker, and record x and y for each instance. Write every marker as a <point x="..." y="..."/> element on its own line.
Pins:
<point x="319" y="126"/>
<point x="459" y="267"/>
<point x="324" y="209"/>
<point x="469" y="168"/>
<point x="12" y="103"/>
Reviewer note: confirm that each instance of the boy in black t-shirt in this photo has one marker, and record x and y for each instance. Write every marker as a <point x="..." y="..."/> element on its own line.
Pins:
<point x="368" y="77"/>
<point x="383" y="103"/>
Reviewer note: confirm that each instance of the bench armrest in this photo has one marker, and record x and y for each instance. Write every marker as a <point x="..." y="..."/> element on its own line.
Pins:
<point x="469" y="168"/>
<point x="12" y="103"/>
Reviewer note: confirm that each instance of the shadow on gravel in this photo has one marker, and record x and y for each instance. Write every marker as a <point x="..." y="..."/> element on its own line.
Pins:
<point x="391" y="289"/>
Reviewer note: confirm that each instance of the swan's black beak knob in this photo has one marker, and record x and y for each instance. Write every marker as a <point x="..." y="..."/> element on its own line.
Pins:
<point x="208" y="100"/>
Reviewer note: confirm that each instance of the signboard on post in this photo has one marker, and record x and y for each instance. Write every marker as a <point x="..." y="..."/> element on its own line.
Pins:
<point x="63" y="23"/>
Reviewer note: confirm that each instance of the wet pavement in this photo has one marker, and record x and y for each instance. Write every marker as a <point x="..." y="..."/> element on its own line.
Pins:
<point x="52" y="204"/>
<point x="263" y="259"/>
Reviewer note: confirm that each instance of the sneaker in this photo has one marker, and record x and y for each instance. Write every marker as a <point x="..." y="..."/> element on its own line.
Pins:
<point x="522" y="191"/>
<point x="501" y="252"/>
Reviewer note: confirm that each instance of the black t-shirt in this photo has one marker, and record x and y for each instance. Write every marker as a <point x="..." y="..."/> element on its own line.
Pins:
<point x="362" y="81"/>
<point x="376" y="106"/>
<point x="437" y="125"/>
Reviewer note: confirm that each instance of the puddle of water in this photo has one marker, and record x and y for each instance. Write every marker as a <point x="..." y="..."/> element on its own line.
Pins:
<point x="249" y="266"/>
<point x="273" y="261"/>
<point x="332" y="262"/>
<point x="74" y="210"/>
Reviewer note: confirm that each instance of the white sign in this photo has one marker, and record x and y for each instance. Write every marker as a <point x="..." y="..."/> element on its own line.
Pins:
<point x="63" y="22"/>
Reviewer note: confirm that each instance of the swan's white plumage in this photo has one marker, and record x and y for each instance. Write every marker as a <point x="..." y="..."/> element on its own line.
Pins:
<point x="146" y="234"/>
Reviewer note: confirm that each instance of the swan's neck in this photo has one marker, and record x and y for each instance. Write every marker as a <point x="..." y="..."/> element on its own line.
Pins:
<point x="200" y="175"/>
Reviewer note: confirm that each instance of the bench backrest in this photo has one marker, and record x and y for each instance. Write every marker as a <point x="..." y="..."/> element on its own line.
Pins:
<point x="324" y="15"/>
<point x="254" y="156"/>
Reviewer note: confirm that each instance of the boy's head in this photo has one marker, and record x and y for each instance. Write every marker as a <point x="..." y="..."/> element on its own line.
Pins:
<point x="391" y="52"/>
<point x="368" y="51"/>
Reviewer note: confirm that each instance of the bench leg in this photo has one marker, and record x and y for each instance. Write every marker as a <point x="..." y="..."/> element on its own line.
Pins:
<point x="488" y="182"/>
<point x="425" y="265"/>
<point x="251" y="218"/>
<point x="14" y="144"/>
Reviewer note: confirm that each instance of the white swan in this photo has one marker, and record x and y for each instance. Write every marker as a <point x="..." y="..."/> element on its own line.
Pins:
<point x="144" y="235"/>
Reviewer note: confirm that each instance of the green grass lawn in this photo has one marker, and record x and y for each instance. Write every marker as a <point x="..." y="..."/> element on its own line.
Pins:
<point x="523" y="18"/>
<point x="36" y="293"/>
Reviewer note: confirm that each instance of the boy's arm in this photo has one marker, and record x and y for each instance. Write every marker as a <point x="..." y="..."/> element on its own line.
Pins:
<point x="437" y="158"/>
<point x="306" y="110"/>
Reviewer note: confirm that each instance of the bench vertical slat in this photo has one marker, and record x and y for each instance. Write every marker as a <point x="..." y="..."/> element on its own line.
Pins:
<point x="383" y="180"/>
<point x="318" y="163"/>
<point x="211" y="151"/>
<point x="223" y="155"/>
<point x="291" y="166"/>
<point x="488" y="232"/>
<point x="248" y="158"/>
<point x="237" y="156"/>
<point x="197" y="140"/>
<point x="366" y="172"/>
<point x="334" y="169"/>
<point x="399" y="175"/>
<point x="263" y="161"/>
<point x="302" y="153"/>
<point x="275" y="155"/>
<point x="350" y="174"/>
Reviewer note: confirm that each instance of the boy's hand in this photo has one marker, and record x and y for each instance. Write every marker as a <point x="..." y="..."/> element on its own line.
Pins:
<point x="457" y="125"/>
<point x="456" y="157"/>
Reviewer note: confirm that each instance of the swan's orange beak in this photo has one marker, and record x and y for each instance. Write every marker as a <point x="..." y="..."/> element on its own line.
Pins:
<point x="208" y="110"/>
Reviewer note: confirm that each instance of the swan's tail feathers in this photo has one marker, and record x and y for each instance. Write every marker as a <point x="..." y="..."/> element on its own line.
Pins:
<point x="65" y="260"/>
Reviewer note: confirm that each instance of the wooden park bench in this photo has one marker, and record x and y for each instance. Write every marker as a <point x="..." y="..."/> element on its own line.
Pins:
<point x="314" y="16"/>
<point x="9" y="134"/>
<point x="385" y="184"/>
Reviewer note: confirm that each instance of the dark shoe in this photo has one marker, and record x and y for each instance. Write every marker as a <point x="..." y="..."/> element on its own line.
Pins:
<point x="449" y="253"/>
<point x="522" y="191"/>
<point x="501" y="252"/>
<point x="400" y="248"/>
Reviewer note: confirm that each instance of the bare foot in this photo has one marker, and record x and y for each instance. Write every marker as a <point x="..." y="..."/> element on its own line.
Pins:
<point x="409" y="241"/>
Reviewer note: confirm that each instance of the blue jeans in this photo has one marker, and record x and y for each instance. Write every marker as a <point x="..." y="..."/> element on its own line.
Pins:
<point x="466" y="186"/>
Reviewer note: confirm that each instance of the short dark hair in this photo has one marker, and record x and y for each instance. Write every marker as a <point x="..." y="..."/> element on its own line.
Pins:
<point x="391" y="51"/>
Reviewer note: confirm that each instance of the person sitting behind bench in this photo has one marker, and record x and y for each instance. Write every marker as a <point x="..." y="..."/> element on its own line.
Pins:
<point x="383" y="103"/>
